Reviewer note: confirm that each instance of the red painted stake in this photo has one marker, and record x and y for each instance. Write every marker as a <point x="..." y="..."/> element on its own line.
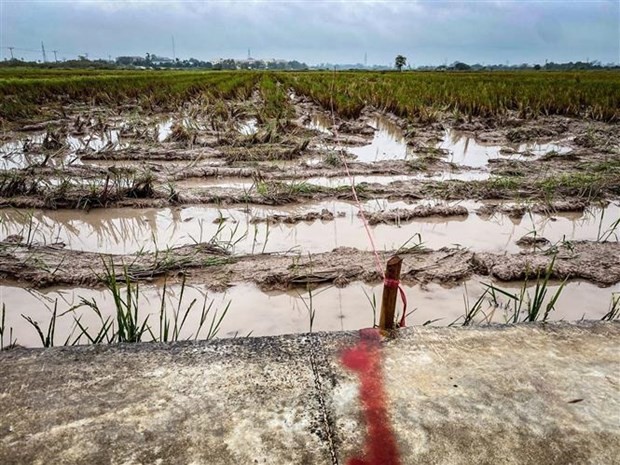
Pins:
<point x="390" y="293"/>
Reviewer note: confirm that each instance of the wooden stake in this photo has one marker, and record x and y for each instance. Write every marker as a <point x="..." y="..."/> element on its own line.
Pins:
<point x="390" y="293"/>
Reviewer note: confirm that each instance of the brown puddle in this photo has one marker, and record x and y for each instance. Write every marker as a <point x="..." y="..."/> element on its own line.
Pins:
<point x="321" y="123"/>
<point x="249" y="127"/>
<point x="388" y="143"/>
<point x="25" y="151"/>
<point x="253" y="311"/>
<point x="126" y="230"/>
<point x="16" y="154"/>
<point x="465" y="150"/>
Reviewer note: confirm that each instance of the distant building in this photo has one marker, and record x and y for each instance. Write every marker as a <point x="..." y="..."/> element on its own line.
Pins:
<point x="158" y="61"/>
<point x="130" y="60"/>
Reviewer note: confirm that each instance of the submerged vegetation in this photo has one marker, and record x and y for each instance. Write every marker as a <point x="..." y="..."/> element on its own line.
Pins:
<point x="131" y="322"/>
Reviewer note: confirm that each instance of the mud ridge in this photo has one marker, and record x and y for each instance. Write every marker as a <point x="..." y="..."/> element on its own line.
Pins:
<point x="323" y="215"/>
<point x="519" y="210"/>
<point x="398" y="215"/>
<point x="41" y="266"/>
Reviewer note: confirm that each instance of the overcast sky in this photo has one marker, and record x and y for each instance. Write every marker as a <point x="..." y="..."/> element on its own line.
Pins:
<point x="426" y="32"/>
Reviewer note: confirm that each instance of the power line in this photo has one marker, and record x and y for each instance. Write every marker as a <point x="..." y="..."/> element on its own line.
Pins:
<point x="22" y="49"/>
<point x="43" y="52"/>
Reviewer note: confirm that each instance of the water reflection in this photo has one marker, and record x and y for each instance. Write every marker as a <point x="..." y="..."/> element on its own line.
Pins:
<point x="388" y="143"/>
<point x="465" y="150"/>
<point x="271" y="313"/>
<point x="123" y="230"/>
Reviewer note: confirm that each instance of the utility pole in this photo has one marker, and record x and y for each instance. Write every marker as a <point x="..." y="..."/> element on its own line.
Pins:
<point x="55" y="57"/>
<point x="365" y="59"/>
<point x="11" y="50"/>
<point x="174" y="52"/>
<point x="43" y="50"/>
<point x="249" y="56"/>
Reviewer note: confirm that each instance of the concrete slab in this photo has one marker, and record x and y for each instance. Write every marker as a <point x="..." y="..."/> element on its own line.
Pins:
<point x="526" y="394"/>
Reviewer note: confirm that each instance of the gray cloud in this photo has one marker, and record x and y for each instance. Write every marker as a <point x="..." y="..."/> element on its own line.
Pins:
<point x="428" y="32"/>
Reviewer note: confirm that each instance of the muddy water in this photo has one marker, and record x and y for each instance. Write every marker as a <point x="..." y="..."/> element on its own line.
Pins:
<point x="321" y="123"/>
<point x="388" y="144"/>
<point x="14" y="155"/>
<point x="465" y="150"/>
<point x="121" y="230"/>
<point x="164" y="129"/>
<point x="249" y="127"/>
<point x="110" y="139"/>
<point x="336" y="181"/>
<point x="27" y="151"/>
<point x="253" y="311"/>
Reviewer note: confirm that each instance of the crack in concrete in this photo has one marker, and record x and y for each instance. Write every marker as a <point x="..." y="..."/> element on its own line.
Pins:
<point x="315" y="361"/>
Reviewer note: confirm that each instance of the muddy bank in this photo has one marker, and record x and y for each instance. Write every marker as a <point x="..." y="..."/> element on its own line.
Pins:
<point x="210" y="169"/>
<point x="323" y="215"/>
<point x="597" y="262"/>
<point x="398" y="215"/>
<point x="582" y="188"/>
<point x="519" y="210"/>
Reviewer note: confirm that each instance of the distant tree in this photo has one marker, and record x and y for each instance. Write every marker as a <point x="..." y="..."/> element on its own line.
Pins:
<point x="460" y="66"/>
<point x="228" y="63"/>
<point x="537" y="67"/>
<point x="400" y="62"/>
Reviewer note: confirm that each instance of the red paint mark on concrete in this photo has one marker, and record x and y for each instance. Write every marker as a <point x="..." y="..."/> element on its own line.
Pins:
<point x="365" y="359"/>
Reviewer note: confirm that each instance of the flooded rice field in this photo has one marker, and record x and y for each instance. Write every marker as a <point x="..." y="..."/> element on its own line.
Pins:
<point x="231" y="184"/>
<point x="128" y="230"/>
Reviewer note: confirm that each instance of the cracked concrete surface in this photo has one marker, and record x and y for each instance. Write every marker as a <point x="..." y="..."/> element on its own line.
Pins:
<point x="525" y="394"/>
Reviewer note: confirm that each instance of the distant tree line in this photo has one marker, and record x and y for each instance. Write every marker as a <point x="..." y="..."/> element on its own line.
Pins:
<point x="154" y="61"/>
<point x="151" y="61"/>
<point x="551" y="66"/>
<point x="400" y="63"/>
<point x="81" y="62"/>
